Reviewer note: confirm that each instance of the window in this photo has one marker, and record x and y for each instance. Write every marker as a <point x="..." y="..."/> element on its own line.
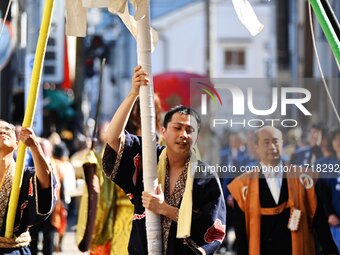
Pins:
<point x="234" y="59"/>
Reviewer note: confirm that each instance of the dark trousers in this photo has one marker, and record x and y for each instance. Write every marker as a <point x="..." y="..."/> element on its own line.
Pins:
<point x="48" y="238"/>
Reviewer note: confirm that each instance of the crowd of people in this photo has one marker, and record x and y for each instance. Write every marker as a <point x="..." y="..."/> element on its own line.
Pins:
<point x="271" y="210"/>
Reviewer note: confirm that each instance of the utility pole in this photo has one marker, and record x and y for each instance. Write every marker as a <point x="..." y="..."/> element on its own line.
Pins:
<point x="33" y="27"/>
<point x="335" y="76"/>
<point x="6" y="76"/>
<point x="293" y="47"/>
<point x="207" y="36"/>
<point x="79" y="84"/>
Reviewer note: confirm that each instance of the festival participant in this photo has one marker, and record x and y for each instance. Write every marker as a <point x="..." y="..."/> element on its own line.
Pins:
<point x="330" y="187"/>
<point x="276" y="210"/>
<point x="192" y="209"/>
<point x="37" y="196"/>
<point x="307" y="156"/>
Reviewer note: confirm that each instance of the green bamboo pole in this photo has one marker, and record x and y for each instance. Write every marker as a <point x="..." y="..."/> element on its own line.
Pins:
<point x="327" y="28"/>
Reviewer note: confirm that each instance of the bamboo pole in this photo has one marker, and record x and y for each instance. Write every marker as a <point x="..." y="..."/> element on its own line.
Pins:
<point x="331" y="16"/>
<point x="29" y="113"/>
<point x="148" y="118"/>
<point x="327" y="28"/>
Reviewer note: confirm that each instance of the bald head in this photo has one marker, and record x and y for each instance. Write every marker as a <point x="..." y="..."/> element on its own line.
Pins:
<point x="269" y="145"/>
<point x="267" y="129"/>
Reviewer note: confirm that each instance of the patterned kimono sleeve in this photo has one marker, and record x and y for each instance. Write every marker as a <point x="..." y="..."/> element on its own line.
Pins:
<point x="208" y="217"/>
<point x="35" y="203"/>
<point x="124" y="166"/>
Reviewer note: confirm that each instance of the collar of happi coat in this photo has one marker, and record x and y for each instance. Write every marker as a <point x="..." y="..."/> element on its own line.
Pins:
<point x="185" y="210"/>
<point x="5" y="190"/>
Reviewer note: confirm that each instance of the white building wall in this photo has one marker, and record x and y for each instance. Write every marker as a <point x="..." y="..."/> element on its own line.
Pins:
<point x="231" y="33"/>
<point x="182" y="40"/>
<point x="182" y="47"/>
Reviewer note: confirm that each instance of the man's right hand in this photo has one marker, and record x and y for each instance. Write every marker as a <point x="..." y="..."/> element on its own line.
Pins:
<point x="115" y="130"/>
<point x="139" y="78"/>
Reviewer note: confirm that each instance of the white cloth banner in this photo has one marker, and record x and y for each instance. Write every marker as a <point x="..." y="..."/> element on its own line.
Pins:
<point x="76" y="15"/>
<point x="247" y="16"/>
<point x="75" y="18"/>
<point x="131" y="24"/>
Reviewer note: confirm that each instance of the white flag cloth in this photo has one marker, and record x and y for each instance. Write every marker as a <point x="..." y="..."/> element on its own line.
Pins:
<point x="247" y="16"/>
<point x="76" y="15"/>
<point x="75" y="18"/>
<point x="131" y="22"/>
<point x="102" y="3"/>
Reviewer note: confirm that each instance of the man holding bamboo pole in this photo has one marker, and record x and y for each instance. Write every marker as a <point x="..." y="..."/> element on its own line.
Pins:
<point x="192" y="206"/>
<point x="36" y="199"/>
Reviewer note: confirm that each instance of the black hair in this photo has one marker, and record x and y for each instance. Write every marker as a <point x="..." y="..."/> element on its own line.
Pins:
<point x="134" y="122"/>
<point x="330" y="137"/>
<point x="182" y="110"/>
<point x="333" y="134"/>
<point x="321" y="127"/>
<point x="60" y="150"/>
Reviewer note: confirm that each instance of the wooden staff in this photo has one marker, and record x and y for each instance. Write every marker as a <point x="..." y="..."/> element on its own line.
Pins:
<point x="90" y="170"/>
